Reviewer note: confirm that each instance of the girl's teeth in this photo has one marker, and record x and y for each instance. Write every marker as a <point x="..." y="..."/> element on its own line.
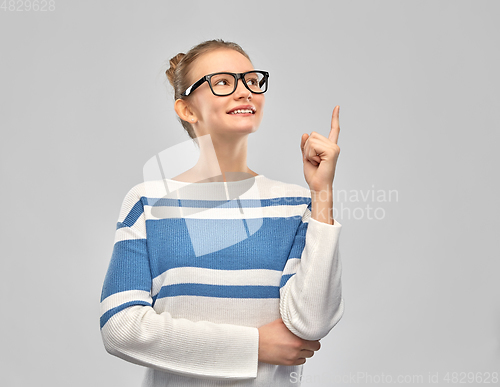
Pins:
<point x="242" y="111"/>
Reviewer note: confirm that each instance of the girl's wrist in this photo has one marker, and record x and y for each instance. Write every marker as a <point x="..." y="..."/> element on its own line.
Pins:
<point x="322" y="206"/>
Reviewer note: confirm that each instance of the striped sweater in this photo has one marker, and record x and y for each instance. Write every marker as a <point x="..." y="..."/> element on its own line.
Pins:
<point x="196" y="268"/>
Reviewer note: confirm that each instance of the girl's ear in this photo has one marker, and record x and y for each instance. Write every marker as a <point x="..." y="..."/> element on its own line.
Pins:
<point x="184" y="111"/>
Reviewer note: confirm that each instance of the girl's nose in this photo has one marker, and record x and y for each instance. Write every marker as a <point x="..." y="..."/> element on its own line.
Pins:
<point x="241" y="91"/>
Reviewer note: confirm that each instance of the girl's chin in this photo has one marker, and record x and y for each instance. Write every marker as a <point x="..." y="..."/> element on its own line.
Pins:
<point x="235" y="127"/>
<point x="249" y="128"/>
<point x="242" y="127"/>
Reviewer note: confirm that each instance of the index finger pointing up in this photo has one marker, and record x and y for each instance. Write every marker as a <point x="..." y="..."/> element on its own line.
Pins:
<point x="335" y="130"/>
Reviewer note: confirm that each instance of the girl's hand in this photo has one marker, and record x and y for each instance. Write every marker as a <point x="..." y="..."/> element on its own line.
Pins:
<point x="277" y="345"/>
<point x="320" y="155"/>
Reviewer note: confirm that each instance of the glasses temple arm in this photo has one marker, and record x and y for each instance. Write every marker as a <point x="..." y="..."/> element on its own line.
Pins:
<point x="191" y="88"/>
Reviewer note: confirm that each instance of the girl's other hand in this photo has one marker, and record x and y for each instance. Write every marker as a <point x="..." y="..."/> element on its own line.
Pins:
<point x="277" y="345"/>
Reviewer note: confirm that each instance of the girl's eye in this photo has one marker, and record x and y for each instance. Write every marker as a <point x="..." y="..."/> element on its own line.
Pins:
<point x="220" y="82"/>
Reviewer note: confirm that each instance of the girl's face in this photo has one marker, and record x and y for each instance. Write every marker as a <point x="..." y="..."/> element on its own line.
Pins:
<point x="213" y="112"/>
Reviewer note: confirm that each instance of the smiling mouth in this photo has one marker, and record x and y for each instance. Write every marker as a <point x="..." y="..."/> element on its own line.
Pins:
<point x="242" y="111"/>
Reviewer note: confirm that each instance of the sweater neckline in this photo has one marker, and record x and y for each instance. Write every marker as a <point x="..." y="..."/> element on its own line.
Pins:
<point x="258" y="177"/>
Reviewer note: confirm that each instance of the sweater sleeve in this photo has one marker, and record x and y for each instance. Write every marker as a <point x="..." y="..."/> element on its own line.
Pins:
<point x="132" y="330"/>
<point x="311" y="302"/>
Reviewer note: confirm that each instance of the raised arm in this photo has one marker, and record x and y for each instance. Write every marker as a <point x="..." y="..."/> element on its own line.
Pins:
<point x="132" y="330"/>
<point x="311" y="301"/>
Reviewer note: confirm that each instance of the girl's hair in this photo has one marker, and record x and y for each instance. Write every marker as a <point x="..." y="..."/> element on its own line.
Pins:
<point x="180" y="65"/>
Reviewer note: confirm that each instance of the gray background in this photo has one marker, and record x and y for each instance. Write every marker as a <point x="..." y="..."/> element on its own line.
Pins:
<point x="84" y="105"/>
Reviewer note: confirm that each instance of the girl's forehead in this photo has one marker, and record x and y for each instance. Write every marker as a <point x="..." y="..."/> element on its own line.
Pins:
<point x="220" y="60"/>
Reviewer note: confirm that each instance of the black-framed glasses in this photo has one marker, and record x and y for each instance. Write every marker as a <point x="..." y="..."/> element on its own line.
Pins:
<point x="225" y="83"/>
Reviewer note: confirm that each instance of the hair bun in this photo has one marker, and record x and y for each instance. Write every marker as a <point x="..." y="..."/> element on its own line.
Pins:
<point x="173" y="65"/>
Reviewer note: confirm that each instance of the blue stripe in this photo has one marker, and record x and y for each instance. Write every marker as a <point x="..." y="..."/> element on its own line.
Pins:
<point x="226" y="241"/>
<point x="203" y="204"/>
<point x="128" y="268"/>
<point x="132" y="216"/>
<point x="245" y="203"/>
<point x="110" y="313"/>
<point x="285" y="278"/>
<point x="221" y="291"/>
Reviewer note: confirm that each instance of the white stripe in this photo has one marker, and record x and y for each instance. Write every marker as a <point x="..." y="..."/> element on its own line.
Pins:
<point x="263" y="188"/>
<point x="156" y="212"/>
<point x="117" y="299"/>
<point x="240" y="311"/>
<point x="216" y="191"/>
<point x="179" y="275"/>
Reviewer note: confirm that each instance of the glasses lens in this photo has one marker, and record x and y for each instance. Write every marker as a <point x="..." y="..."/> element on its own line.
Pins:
<point x="222" y="84"/>
<point x="256" y="82"/>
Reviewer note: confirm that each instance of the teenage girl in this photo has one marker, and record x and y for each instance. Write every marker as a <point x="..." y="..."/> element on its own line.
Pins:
<point x="219" y="93"/>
